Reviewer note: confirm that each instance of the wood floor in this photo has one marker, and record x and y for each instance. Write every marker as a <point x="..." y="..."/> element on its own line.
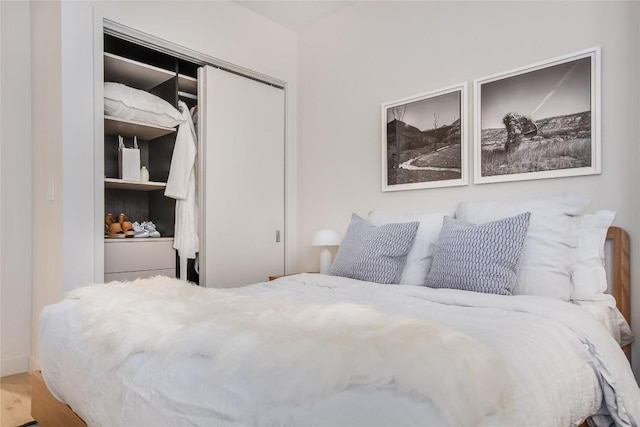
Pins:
<point x="15" y="400"/>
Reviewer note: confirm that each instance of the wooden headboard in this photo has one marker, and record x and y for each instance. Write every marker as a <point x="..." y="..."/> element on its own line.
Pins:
<point x="621" y="270"/>
<point x="621" y="274"/>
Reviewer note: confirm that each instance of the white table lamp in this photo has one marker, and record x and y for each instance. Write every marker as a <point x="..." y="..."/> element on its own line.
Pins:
<point x="326" y="237"/>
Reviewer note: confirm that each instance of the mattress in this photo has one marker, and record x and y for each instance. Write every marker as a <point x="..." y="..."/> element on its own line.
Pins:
<point x="562" y="365"/>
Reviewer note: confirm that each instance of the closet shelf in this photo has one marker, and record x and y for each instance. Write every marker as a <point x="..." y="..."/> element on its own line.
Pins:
<point x="138" y="240"/>
<point x="130" y="128"/>
<point x="120" y="184"/>
<point x="133" y="73"/>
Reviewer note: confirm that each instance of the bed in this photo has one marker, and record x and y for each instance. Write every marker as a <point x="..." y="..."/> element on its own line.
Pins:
<point x="313" y="349"/>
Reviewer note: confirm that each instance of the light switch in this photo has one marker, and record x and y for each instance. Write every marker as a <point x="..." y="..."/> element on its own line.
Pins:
<point x="51" y="190"/>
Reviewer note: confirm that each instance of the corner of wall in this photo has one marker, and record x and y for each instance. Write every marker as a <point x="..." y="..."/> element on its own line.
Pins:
<point x="15" y="186"/>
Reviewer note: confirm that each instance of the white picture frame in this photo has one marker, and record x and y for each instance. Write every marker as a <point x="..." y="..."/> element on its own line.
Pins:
<point x="551" y="121"/>
<point x="432" y="149"/>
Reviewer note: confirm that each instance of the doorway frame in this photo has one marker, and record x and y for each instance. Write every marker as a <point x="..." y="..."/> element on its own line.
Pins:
<point x="103" y="26"/>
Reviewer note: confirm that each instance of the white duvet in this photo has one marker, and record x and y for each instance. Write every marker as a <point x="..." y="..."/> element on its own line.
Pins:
<point x="386" y="355"/>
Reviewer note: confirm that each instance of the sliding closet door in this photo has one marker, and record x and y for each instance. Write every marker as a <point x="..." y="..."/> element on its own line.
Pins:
<point x="241" y="123"/>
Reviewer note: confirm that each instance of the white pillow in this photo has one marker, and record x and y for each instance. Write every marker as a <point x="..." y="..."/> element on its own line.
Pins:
<point x="589" y="275"/>
<point x="549" y="256"/>
<point x="420" y="256"/>
<point x="134" y="104"/>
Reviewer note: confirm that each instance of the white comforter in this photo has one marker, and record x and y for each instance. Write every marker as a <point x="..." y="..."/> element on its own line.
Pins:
<point x="558" y="364"/>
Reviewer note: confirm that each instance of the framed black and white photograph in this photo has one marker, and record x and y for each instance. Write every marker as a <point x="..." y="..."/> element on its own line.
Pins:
<point x="424" y="142"/>
<point x="539" y="121"/>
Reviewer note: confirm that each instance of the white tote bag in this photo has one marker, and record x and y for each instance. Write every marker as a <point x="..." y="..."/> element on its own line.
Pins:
<point x="129" y="160"/>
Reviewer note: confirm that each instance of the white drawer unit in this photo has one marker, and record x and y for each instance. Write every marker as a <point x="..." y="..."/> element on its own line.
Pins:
<point x="126" y="259"/>
<point x="131" y="275"/>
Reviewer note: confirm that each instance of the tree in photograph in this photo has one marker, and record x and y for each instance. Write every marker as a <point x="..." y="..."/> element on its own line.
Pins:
<point x="436" y="119"/>
<point x="398" y="112"/>
<point x="517" y="125"/>
<point x="395" y="139"/>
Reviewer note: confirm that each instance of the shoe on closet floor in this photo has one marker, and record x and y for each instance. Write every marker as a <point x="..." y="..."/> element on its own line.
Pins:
<point x="115" y="231"/>
<point x="151" y="228"/>
<point x="140" y="231"/>
<point x="112" y="229"/>
<point x="109" y="219"/>
<point x="125" y="224"/>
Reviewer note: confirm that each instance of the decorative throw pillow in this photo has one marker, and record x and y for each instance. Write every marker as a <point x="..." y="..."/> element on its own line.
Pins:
<point x="479" y="257"/>
<point x="549" y="250"/>
<point x="421" y="254"/>
<point x="374" y="254"/>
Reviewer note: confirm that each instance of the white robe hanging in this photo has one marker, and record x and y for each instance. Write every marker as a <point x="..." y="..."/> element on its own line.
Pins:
<point x="181" y="186"/>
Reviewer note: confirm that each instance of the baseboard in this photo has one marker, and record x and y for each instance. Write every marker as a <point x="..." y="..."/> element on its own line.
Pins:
<point x="16" y="365"/>
<point x="34" y="365"/>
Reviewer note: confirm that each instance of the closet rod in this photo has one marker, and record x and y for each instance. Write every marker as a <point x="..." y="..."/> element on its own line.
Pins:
<point x="187" y="95"/>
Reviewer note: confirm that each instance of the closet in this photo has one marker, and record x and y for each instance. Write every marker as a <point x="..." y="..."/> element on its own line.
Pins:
<point x="239" y="174"/>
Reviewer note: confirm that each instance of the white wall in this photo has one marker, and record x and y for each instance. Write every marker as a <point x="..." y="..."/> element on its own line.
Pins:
<point x="376" y="52"/>
<point x="49" y="227"/>
<point x="222" y="30"/>
<point x="15" y="187"/>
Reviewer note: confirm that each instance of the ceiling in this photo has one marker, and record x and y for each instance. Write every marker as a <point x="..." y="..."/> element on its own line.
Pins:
<point x="296" y="14"/>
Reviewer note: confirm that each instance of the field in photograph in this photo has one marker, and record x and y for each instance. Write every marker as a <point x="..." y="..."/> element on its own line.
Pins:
<point x="561" y="143"/>
<point x="415" y="156"/>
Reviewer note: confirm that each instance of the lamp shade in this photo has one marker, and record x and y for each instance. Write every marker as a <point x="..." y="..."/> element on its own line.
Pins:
<point x="326" y="237"/>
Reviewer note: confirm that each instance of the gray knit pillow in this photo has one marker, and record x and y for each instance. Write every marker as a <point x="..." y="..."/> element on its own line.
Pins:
<point x="374" y="254"/>
<point x="479" y="257"/>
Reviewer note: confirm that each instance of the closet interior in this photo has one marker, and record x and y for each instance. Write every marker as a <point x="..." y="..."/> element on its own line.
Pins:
<point x="171" y="79"/>
<point x="232" y="210"/>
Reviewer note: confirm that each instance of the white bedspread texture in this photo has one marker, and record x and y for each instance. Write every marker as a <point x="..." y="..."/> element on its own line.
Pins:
<point x="287" y="351"/>
<point x="580" y="372"/>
